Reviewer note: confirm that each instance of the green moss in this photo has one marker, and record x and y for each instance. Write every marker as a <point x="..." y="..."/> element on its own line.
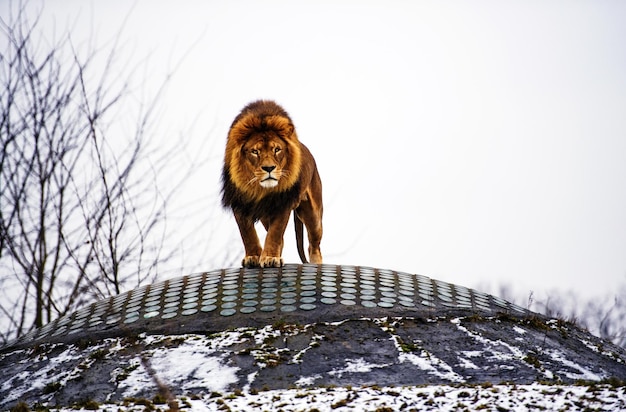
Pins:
<point x="146" y="403"/>
<point x="532" y="360"/>
<point x="159" y="399"/>
<point x="339" y="404"/>
<point x="88" y="404"/>
<point x="475" y="318"/>
<point x="20" y="407"/>
<point x="99" y="354"/>
<point x="52" y="387"/>
<point x="84" y="343"/>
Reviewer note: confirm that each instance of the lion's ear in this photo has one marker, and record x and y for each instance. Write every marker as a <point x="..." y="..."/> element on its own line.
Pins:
<point x="241" y="129"/>
<point x="292" y="130"/>
<point x="282" y="125"/>
<point x="289" y="132"/>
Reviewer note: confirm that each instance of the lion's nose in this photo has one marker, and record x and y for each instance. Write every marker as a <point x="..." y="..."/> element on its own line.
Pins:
<point x="268" y="169"/>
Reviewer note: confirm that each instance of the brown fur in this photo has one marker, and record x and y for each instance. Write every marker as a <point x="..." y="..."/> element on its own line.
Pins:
<point x="267" y="174"/>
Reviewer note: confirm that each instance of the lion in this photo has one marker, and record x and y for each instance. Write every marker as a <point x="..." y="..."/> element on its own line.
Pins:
<point x="268" y="174"/>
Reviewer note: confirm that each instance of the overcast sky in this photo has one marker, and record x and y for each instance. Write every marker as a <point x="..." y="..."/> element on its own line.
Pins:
<point x="476" y="142"/>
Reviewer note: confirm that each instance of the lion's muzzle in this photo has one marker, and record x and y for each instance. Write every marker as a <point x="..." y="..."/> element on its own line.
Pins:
<point x="270" y="180"/>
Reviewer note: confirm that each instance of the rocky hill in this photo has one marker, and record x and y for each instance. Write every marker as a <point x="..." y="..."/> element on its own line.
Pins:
<point x="307" y="334"/>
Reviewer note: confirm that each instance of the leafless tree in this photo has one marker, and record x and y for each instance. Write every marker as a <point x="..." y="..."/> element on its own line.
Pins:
<point x="81" y="213"/>
<point x="604" y="317"/>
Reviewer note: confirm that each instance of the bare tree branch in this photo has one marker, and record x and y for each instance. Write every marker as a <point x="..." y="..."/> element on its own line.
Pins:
<point x="82" y="215"/>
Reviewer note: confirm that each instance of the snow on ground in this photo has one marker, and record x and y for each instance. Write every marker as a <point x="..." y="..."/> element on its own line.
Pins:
<point x="427" y="398"/>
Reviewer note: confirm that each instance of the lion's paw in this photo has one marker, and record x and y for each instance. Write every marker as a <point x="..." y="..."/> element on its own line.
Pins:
<point x="250" y="262"/>
<point x="271" y="262"/>
<point x="315" y="256"/>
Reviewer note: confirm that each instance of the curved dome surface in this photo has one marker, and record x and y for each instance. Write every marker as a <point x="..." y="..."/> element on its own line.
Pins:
<point x="216" y="300"/>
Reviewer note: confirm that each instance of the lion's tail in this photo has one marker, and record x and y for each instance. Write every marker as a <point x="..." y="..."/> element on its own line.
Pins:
<point x="299" y="236"/>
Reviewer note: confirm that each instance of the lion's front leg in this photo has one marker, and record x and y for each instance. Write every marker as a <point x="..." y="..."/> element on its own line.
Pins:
<point x="272" y="252"/>
<point x="250" y="241"/>
<point x="250" y="261"/>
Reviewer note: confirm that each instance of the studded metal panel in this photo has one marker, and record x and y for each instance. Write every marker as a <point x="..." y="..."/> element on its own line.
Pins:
<point x="238" y="297"/>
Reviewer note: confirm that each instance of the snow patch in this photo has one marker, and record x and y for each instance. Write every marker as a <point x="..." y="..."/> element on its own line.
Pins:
<point x="585" y="374"/>
<point x="467" y="364"/>
<point x="472" y="353"/>
<point x="357" y="366"/>
<point x="52" y="370"/>
<point x="427" y="362"/>
<point x="307" y="380"/>
<point x="315" y="341"/>
<point x="494" y="346"/>
<point x="189" y="365"/>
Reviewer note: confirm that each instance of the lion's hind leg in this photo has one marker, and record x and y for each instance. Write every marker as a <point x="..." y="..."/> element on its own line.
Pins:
<point x="312" y="219"/>
<point x="315" y="253"/>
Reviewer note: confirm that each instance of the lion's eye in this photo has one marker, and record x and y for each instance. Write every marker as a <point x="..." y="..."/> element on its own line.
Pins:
<point x="254" y="152"/>
<point x="277" y="150"/>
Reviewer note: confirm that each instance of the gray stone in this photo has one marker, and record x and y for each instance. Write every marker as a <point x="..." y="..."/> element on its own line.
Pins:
<point x="381" y="328"/>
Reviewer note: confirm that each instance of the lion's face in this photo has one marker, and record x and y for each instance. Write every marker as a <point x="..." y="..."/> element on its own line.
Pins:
<point x="265" y="157"/>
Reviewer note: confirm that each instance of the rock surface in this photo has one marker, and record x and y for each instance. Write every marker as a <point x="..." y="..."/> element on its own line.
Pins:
<point x="295" y="327"/>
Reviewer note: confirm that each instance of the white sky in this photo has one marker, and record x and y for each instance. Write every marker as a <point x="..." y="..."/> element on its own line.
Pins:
<point x="479" y="143"/>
